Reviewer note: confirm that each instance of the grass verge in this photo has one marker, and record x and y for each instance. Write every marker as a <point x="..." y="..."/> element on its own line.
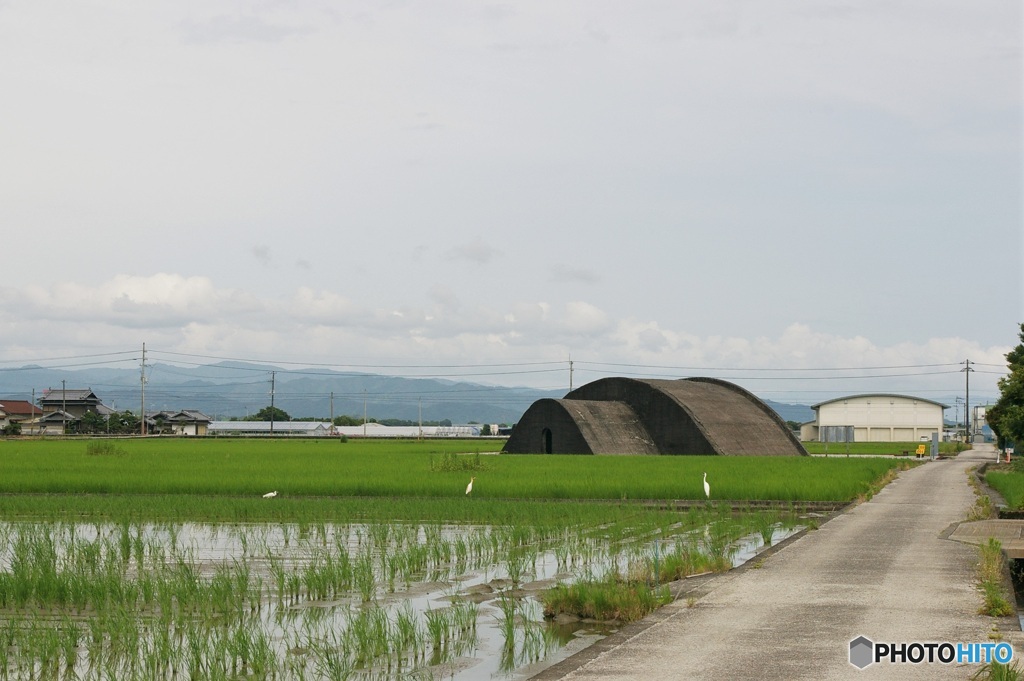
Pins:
<point x="605" y="600"/>
<point x="991" y="569"/>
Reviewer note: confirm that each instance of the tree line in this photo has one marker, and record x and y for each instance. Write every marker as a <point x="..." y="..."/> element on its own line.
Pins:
<point x="1006" y="416"/>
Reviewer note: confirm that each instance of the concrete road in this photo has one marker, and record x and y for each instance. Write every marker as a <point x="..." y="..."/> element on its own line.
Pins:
<point x="880" y="570"/>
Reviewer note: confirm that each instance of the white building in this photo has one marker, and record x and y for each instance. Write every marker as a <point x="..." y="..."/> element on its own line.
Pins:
<point x="380" y="430"/>
<point x="265" y="428"/>
<point x="877" y="418"/>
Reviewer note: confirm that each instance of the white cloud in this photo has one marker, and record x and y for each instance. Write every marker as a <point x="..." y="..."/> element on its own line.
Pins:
<point x="191" y="315"/>
<point x="584" y="318"/>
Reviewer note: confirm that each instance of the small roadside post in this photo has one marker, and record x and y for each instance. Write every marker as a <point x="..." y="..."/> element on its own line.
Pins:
<point x="935" y="446"/>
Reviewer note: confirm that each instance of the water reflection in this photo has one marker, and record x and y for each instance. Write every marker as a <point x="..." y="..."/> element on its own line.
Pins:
<point x="338" y="601"/>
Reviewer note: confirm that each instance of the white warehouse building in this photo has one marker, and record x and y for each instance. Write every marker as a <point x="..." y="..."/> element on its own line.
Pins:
<point x="876" y="418"/>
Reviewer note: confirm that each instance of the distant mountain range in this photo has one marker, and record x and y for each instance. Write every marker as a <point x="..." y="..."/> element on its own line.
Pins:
<point x="235" y="389"/>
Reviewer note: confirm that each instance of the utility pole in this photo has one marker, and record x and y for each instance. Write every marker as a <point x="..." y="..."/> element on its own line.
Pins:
<point x="272" y="377"/>
<point x="332" y="410"/>
<point x="364" y="412"/>
<point x="967" y="402"/>
<point x="419" y="404"/>
<point x="956" y="412"/>
<point x="64" y="406"/>
<point x="142" y="402"/>
<point x="570" y="372"/>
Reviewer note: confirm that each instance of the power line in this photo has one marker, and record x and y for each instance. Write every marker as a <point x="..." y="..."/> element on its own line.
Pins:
<point x="70" y="366"/>
<point x="56" y="359"/>
<point x="358" y="366"/>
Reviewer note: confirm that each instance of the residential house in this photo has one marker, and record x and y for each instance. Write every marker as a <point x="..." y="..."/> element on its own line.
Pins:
<point x="75" y="402"/>
<point x="183" y="422"/>
<point x="17" y="412"/>
<point x="62" y="408"/>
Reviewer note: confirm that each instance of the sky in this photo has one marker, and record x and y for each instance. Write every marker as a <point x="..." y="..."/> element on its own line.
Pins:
<point x="808" y="197"/>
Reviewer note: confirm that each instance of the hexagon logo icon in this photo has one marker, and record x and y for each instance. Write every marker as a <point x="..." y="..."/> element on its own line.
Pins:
<point x="861" y="652"/>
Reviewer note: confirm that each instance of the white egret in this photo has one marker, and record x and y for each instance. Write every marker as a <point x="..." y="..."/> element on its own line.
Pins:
<point x="469" y="487"/>
<point x="707" y="487"/>
<point x="270" y="495"/>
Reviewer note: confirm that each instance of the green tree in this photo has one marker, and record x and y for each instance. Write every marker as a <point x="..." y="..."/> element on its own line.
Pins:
<point x="124" y="422"/>
<point x="272" y="414"/>
<point x="91" y="422"/>
<point x="1006" y="416"/>
<point x="348" y="421"/>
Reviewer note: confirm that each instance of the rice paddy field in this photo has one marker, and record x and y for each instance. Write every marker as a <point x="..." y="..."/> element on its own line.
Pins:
<point x="160" y="558"/>
<point x="1008" y="480"/>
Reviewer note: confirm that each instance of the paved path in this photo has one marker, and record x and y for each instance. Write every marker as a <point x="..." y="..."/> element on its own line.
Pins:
<point x="881" y="570"/>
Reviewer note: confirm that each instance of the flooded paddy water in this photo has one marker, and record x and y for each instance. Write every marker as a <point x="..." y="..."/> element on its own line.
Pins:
<point x="324" y="601"/>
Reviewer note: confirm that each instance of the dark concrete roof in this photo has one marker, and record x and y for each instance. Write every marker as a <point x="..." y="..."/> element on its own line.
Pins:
<point x="633" y="416"/>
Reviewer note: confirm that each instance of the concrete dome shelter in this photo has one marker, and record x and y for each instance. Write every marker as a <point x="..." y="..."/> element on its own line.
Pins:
<point x="632" y="416"/>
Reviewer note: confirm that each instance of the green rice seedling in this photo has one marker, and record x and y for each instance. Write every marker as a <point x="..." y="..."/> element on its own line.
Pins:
<point x="718" y="547"/>
<point x="407" y="637"/>
<point x="220" y="590"/>
<point x="461" y="552"/>
<point x="279" y="576"/>
<point x="440" y="553"/>
<point x="508" y="606"/>
<point x="765" y="523"/>
<point x="331" y="663"/>
<point x="70" y="634"/>
<point x="415" y="561"/>
<point x="264" y="659"/>
<point x="166" y="653"/>
<point x="125" y="542"/>
<point x="294" y="586"/>
<point x="239" y="645"/>
<point x="516" y="565"/>
<point x="437" y="627"/>
<point x="392" y="562"/>
<point x="364" y="577"/>
<point x="464" y="616"/>
<point x="367" y="629"/>
<point x="5" y="660"/>
<point x="537" y="640"/>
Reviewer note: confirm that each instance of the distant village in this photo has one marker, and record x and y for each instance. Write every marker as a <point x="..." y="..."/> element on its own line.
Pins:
<point x="67" y="411"/>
